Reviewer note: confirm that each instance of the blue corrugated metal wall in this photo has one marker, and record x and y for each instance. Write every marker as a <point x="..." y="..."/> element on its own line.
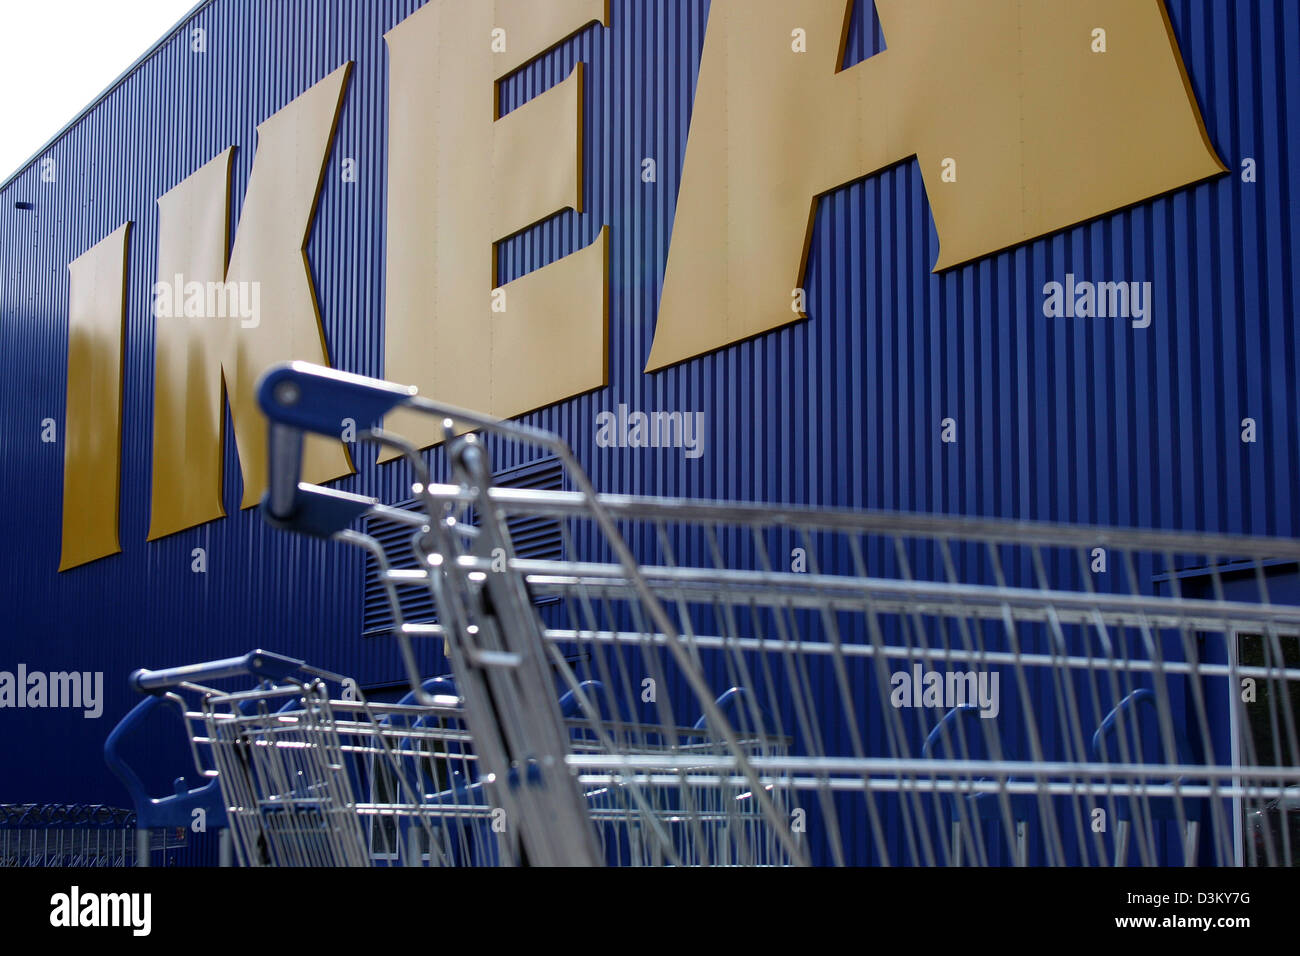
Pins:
<point x="1072" y="419"/>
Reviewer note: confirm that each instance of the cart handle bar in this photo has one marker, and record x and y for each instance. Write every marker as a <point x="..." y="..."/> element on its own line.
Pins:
<point x="259" y="664"/>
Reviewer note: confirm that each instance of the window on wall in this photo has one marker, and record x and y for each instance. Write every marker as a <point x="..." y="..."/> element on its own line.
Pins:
<point x="1272" y="709"/>
<point x="1270" y="737"/>
<point x="1253" y="722"/>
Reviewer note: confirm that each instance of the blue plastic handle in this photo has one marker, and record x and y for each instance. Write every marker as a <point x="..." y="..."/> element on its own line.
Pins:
<point x="985" y="806"/>
<point x="960" y="712"/>
<point x="298" y="397"/>
<point x="174" y="810"/>
<point x="313" y="398"/>
<point x="729" y="702"/>
<point x="443" y="686"/>
<point x="571" y="706"/>
<point x="1144" y="696"/>
<point x="1160" y="808"/>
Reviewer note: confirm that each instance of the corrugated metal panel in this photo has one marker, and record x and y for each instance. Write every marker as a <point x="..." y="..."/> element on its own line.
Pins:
<point x="1081" y="420"/>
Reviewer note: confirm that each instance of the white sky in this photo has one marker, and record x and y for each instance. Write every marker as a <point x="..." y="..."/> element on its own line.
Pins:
<point x="58" y="55"/>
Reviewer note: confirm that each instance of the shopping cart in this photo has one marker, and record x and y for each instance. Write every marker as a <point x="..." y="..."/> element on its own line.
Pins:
<point x="310" y="778"/>
<point x="823" y="649"/>
<point x="62" y="834"/>
<point x="292" y="771"/>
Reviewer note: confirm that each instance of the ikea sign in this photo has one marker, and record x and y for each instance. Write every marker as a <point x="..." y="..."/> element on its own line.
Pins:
<point x="1023" y="118"/>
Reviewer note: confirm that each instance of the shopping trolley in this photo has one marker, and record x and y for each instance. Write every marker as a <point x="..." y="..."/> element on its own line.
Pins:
<point x="298" y="771"/>
<point x="306" y="777"/>
<point x="823" y="647"/>
<point x="64" y="834"/>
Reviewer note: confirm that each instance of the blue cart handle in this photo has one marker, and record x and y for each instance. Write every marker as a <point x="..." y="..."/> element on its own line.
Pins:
<point x="175" y="809"/>
<point x="259" y="664"/>
<point x="1112" y="726"/>
<point x="298" y="397"/>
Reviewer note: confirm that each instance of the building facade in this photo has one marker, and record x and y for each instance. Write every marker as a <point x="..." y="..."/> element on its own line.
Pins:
<point x="802" y="240"/>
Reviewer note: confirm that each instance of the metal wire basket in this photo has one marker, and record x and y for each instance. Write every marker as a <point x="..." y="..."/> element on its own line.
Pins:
<point x="871" y="687"/>
<point x="64" y="834"/>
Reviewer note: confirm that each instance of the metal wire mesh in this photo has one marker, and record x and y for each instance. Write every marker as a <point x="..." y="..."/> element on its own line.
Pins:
<point x="948" y="690"/>
<point x="315" y="781"/>
<point x="60" y="834"/>
<point x="899" y="689"/>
